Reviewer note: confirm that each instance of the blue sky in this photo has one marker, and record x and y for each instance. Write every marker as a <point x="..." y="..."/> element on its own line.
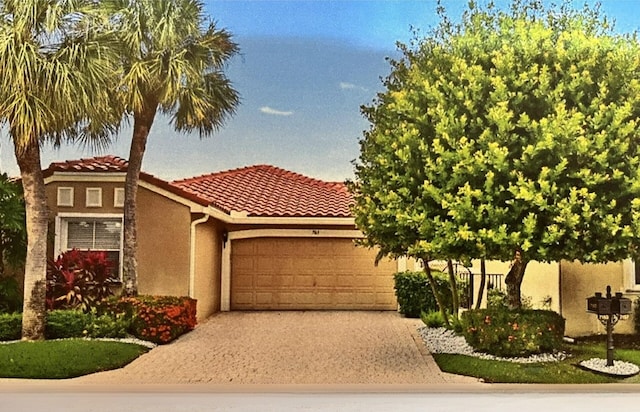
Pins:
<point x="304" y="70"/>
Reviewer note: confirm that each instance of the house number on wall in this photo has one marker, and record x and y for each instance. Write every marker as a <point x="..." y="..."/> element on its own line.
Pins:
<point x="315" y="232"/>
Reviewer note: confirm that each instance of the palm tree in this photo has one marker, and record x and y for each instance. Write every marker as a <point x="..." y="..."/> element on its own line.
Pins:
<point x="55" y="86"/>
<point x="173" y="62"/>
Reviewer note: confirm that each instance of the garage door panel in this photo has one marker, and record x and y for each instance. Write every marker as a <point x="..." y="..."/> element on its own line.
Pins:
<point x="308" y="274"/>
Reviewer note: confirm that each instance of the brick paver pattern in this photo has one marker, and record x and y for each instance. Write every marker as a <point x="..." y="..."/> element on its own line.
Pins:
<point x="310" y="347"/>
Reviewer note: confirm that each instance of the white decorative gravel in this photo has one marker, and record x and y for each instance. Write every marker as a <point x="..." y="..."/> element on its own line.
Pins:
<point x="135" y="341"/>
<point x="442" y="340"/>
<point x="619" y="368"/>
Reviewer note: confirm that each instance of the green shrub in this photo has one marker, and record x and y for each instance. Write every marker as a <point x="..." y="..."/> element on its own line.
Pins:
<point x="108" y="326"/>
<point x="66" y="323"/>
<point x="432" y="319"/>
<point x="414" y="292"/>
<point x="10" y="326"/>
<point x="158" y="319"/>
<point x="10" y="295"/>
<point x="513" y="333"/>
<point x="496" y="299"/>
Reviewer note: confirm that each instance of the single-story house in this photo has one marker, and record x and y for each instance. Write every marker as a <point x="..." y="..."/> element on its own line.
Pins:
<point x="255" y="238"/>
<point x="264" y="238"/>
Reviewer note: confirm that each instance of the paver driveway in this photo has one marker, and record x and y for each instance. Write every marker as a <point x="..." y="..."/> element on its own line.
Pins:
<point x="310" y="347"/>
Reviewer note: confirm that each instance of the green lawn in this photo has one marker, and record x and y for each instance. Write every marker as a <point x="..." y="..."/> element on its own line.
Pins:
<point x="566" y="371"/>
<point x="68" y="358"/>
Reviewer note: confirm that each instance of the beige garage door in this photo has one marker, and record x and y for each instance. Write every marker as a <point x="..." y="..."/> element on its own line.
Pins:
<point x="305" y="273"/>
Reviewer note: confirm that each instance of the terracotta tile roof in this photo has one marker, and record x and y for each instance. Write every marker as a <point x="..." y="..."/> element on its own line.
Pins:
<point x="261" y="190"/>
<point x="270" y="192"/>
<point x="94" y="164"/>
<point x="113" y="164"/>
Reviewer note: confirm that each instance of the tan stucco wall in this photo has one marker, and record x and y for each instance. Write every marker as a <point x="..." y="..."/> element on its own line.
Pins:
<point x="208" y="268"/>
<point x="79" y="195"/>
<point x="540" y="282"/>
<point x="579" y="281"/>
<point x="163" y="245"/>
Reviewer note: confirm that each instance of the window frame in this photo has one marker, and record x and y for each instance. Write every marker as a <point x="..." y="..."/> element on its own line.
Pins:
<point x="59" y="197"/>
<point x="629" y="275"/>
<point x="61" y="232"/>
<point x="118" y="193"/>
<point x="87" y="196"/>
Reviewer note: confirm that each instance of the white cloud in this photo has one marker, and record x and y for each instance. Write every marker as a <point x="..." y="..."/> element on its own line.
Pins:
<point x="269" y="110"/>
<point x="351" y="86"/>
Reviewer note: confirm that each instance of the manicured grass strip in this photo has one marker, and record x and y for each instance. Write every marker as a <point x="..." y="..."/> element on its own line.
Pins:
<point x="60" y="359"/>
<point x="550" y="373"/>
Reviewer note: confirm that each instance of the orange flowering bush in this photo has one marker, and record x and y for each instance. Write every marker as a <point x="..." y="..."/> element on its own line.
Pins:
<point x="507" y="333"/>
<point x="158" y="319"/>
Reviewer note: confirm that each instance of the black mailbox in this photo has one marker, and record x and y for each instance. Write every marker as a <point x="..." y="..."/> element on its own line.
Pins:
<point x="610" y="309"/>
<point x="610" y="305"/>
<point x="621" y="305"/>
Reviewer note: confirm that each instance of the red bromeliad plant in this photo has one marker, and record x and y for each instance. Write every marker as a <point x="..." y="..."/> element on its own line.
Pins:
<point x="78" y="279"/>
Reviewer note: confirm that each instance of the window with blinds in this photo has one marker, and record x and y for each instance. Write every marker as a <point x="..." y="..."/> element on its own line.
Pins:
<point x="96" y="234"/>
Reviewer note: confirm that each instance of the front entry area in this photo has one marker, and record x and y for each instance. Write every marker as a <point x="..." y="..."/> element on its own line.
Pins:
<point x="309" y="274"/>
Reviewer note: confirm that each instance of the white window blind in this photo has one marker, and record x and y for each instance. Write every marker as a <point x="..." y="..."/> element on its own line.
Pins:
<point x="97" y="234"/>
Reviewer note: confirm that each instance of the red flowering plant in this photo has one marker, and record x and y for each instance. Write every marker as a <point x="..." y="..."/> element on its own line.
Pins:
<point x="78" y="279"/>
<point x="503" y="332"/>
<point x="158" y="319"/>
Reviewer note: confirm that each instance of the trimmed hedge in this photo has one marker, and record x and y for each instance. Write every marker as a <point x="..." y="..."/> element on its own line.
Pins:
<point x="10" y="326"/>
<point x="414" y="292"/>
<point x="158" y="319"/>
<point x="513" y="333"/>
<point x="66" y="323"/>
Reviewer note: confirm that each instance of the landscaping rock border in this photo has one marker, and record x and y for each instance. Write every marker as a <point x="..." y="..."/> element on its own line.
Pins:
<point x="619" y="369"/>
<point x="442" y="340"/>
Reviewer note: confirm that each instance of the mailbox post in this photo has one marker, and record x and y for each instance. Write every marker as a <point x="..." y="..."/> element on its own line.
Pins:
<point x="610" y="309"/>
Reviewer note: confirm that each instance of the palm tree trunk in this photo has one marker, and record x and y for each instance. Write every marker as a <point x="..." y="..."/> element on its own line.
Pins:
<point x="141" y="128"/>
<point x="35" y="274"/>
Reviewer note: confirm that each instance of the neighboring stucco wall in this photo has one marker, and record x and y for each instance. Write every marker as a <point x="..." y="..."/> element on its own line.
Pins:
<point x="163" y="245"/>
<point x="540" y="282"/>
<point x="579" y="281"/>
<point x="208" y="267"/>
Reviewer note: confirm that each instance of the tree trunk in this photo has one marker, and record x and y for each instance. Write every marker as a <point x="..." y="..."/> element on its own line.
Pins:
<point x="455" y="300"/>
<point x="513" y="280"/>
<point x="483" y="282"/>
<point x="434" y="290"/>
<point x="35" y="271"/>
<point x="141" y="127"/>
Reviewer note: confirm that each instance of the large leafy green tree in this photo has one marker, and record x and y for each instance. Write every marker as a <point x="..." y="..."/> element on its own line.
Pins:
<point x="173" y="63"/>
<point x="512" y="135"/>
<point x="55" y="85"/>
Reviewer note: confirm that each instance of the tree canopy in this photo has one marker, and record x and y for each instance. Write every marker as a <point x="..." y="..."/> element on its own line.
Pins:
<point x="514" y="130"/>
